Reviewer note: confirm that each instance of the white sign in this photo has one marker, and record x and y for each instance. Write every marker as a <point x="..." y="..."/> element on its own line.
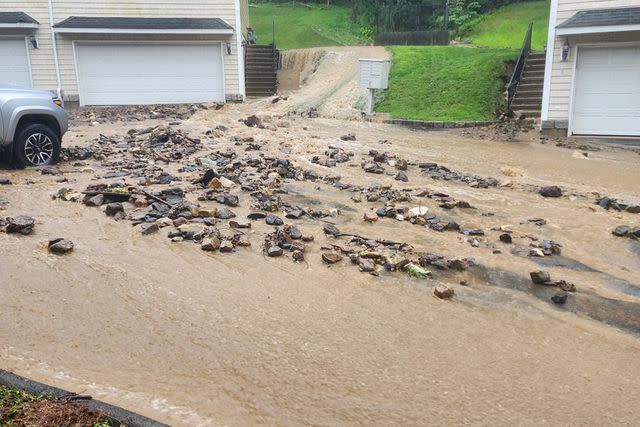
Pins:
<point x="374" y="73"/>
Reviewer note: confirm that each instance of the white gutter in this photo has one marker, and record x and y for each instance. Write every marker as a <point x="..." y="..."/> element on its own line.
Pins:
<point x="240" y="49"/>
<point x="597" y="29"/>
<point x="548" y="67"/>
<point x="55" y="50"/>
<point x="19" y="25"/>
<point x="64" y="30"/>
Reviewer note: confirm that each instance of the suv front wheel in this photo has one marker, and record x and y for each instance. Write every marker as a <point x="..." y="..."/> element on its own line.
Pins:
<point x="36" y="145"/>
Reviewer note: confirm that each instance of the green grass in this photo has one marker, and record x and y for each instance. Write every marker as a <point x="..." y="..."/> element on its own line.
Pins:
<point x="446" y="83"/>
<point x="299" y="26"/>
<point x="506" y="27"/>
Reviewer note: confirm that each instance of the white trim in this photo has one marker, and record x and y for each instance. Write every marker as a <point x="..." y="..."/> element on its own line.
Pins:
<point x="240" y="51"/>
<point x="224" y="75"/>
<point x="548" y="65"/>
<point x="598" y="30"/>
<point x="572" y="93"/>
<point x="136" y="31"/>
<point x="26" y="45"/>
<point x="54" y="46"/>
<point x="75" y="66"/>
<point x="19" y="25"/>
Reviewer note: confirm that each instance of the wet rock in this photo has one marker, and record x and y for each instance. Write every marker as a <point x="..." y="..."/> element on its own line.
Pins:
<point x="540" y="277"/>
<point x="634" y="209"/>
<point x="552" y="191"/>
<point x="147" y="229"/>
<point x="239" y="224"/>
<point x="401" y="165"/>
<point x="566" y="286"/>
<point x="257" y="215"/>
<point x="370" y="216"/>
<point x="443" y="292"/>
<point x="293" y="232"/>
<point x="274" y="251"/>
<point x="211" y="244"/>
<point x="274" y="220"/>
<point x="635" y="233"/>
<point x="621" y="231"/>
<point x="366" y="265"/>
<point x="226" y="247"/>
<point x="331" y="257"/>
<point x="401" y="176"/>
<point x="204" y="212"/>
<point x="560" y="298"/>
<point x="331" y="230"/>
<point x="373" y="167"/>
<point x="95" y="201"/>
<point x="295" y="214"/>
<point x="5" y="181"/>
<point x="348" y="137"/>
<point x="307" y="238"/>
<point x="225" y="213"/>
<point x="459" y="264"/>
<point x="60" y="246"/>
<point x="22" y="224"/>
<point x="114" y="208"/>
<point x="506" y="238"/>
<point x="254" y="121"/>
<point x="298" y="256"/>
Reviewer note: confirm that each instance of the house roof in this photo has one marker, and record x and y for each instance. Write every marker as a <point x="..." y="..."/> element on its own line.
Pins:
<point x="16" y="19"/>
<point x="82" y="24"/>
<point x="603" y="18"/>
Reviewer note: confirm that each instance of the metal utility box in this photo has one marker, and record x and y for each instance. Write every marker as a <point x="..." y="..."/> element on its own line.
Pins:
<point x="374" y="73"/>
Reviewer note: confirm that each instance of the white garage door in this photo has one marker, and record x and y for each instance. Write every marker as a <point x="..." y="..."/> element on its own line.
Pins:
<point x="607" y="91"/>
<point x="14" y="63"/>
<point x="149" y="73"/>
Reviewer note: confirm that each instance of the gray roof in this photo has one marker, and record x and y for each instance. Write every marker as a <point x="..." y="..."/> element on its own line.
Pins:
<point x="603" y="18"/>
<point x="16" y="18"/>
<point x="120" y="23"/>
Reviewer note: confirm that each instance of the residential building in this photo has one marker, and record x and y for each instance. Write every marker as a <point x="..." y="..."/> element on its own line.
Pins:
<point x="592" y="74"/>
<point x="119" y="52"/>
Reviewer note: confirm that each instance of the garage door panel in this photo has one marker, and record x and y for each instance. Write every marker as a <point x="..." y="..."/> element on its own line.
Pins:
<point x="607" y="91"/>
<point x="149" y="73"/>
<point x="14" y="62"/>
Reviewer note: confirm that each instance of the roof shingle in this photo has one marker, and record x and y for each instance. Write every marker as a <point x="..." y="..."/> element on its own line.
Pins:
<point x="603" y="18"/>
<point x="16" y="18"/>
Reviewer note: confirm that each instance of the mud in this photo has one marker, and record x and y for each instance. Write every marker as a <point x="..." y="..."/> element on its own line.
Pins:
<point x="196" y="338"/>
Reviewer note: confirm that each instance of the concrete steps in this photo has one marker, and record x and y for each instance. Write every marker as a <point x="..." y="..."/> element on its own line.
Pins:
<point x="528" y="97"/>
<point x="260" y="71"/>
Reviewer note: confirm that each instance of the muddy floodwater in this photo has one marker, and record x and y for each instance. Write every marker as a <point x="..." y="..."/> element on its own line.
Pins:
<point x="193" y="338"/>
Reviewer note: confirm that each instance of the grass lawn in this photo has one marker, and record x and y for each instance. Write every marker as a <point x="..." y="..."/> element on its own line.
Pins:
<point x="299" y="26"/>
<point x="446" y="83"/>
<point x="506" y="27"/>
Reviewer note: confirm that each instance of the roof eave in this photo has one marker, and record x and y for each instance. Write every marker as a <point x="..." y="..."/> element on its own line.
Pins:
<point x="65" y="30"/>
<point x="568" y="31"/>
<point x="20" y="25"/>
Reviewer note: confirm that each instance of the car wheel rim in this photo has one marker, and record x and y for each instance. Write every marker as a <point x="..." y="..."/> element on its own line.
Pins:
<point x="38" y="149"/>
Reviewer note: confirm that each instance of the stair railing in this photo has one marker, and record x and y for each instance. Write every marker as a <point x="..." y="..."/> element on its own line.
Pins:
<point x="277" y="64"/>
<point x="519" y="68"/>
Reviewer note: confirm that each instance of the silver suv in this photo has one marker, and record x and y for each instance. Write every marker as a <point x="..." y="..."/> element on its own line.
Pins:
<point x="32" y="123"/>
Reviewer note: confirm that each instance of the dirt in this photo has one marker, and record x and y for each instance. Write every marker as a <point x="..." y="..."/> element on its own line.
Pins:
<point x="193" y="337"/>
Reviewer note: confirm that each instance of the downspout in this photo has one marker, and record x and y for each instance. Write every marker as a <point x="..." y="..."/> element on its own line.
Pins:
<point x="240" y="49"/>
<point x="548" y="67"/>
<point x="55" y="50"/>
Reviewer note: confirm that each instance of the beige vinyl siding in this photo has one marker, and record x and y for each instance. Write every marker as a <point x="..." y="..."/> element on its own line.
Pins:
<point x="562" y="72"/>
<point x="244" y="16"/>
<point x="42" y="67"/>
<point x="42" y="59"/>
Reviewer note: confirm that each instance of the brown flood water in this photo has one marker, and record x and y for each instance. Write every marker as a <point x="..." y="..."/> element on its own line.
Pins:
<point x="193" y="339"/>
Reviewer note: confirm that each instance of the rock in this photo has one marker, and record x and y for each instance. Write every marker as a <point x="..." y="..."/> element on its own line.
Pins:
<point x="331" y="230"/>
<point x="180" y="221"/>
<point x="552" y="191"/>
<point x="147" y="229"/>
<point x="560" y="298"/>
<point x="348" y="137"/>
<point x="274" y="251"/>
<point x="95" y="201"/>
<point x="298" y="256"/>
<point x="331" y="257"/>
<point x="419" y="211"/>
<point x="443" y="292"/>
<point x="307" y="238"/>
<point x="60" y="246"/>
<point x="22" y="224"/>
<point x="113" y="208"/>
<point x="634" y="209"/>
<point x="226" y="247"/>
<point x="401" y="176"/>
<point x="210" y="244"/>
<point x="225" y="213"/>
<point x="459" y="264"/>
<point x="621" y="231"/>
<point x="274" y="220"/>
<point x="566" y="286"/>
<point x="366" y="265"/>
<point x="295" y="214"/>
<point x="506" y="238"/>
<point x="239" y="224"/>
<point x="372" y="167"/>
<point x="635" y="233"/>
<point x="164" y="222"/>
<point x="5" y="181"/>
<point x="253" y="121"/>
<point x="257" y="215"/>
<point x="50" y="170"/>
<point x="204" y="212"/>
<point x="370" y="216"/>
<point x="540" y="277"/>
<point x="401" y="165"/>
<point x="293" y="232"/>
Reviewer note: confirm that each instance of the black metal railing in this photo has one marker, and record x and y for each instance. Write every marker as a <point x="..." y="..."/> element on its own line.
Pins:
<point x="512" y="87"/>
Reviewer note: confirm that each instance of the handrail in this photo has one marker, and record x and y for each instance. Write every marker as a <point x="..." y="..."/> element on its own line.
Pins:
<point x="519" y="68"/>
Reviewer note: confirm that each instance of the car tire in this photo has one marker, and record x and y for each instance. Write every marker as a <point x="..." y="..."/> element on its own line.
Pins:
<point x="36" y="145"/>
